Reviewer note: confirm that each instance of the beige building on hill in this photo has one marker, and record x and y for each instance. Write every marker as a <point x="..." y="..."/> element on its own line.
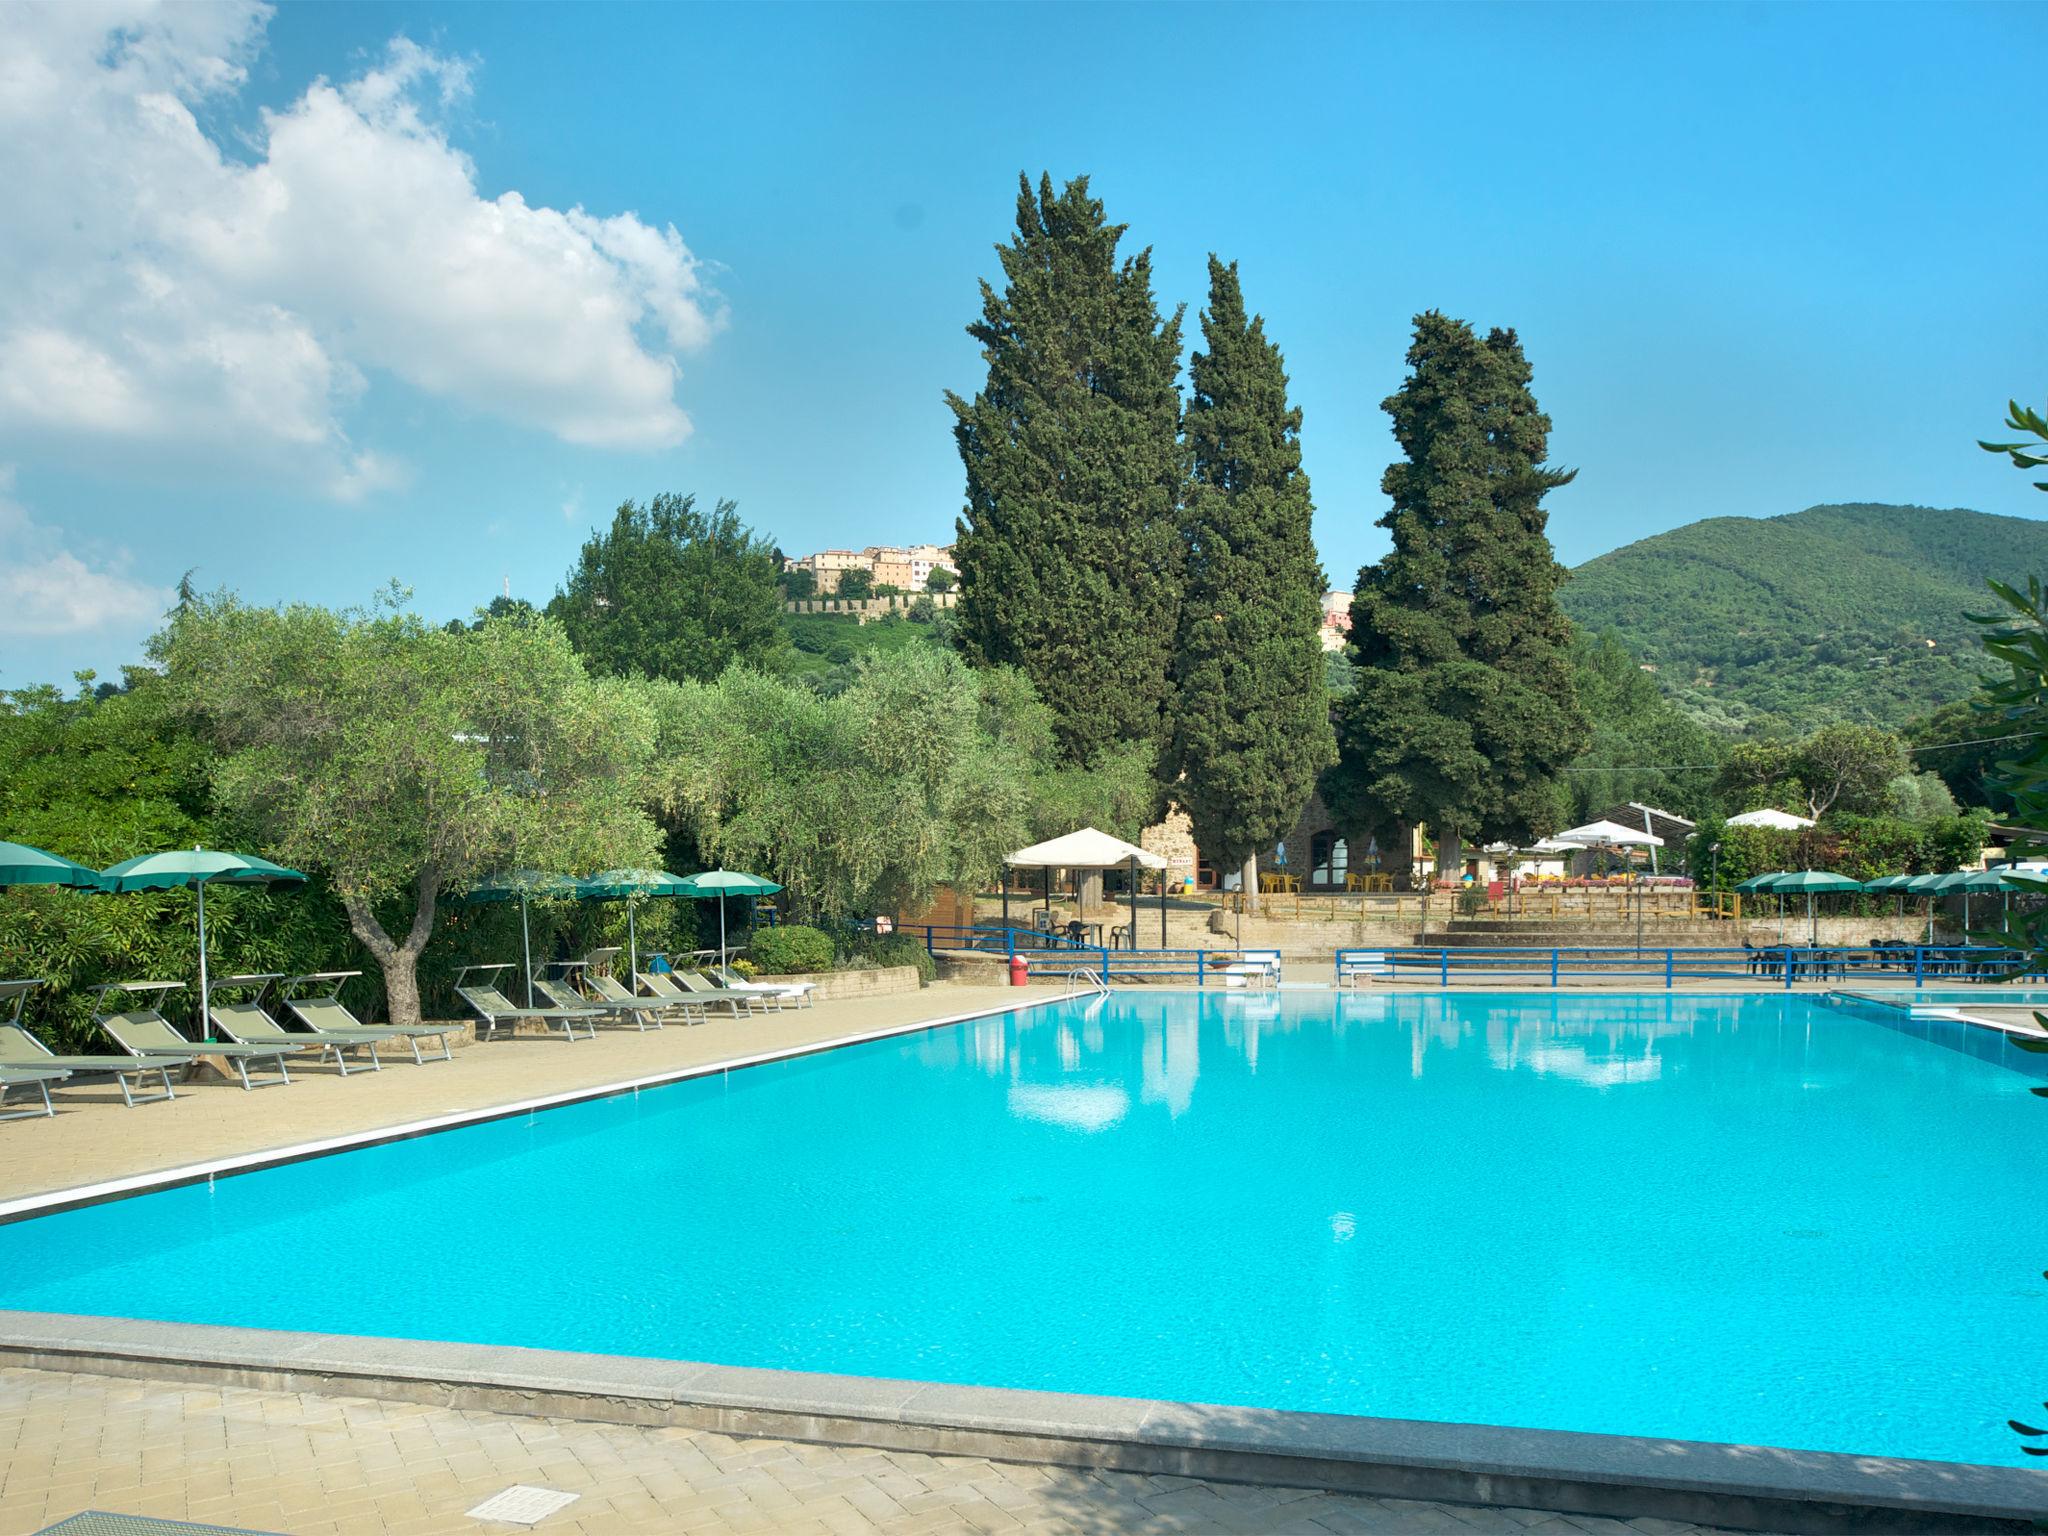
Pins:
<point x="907" y="568"/>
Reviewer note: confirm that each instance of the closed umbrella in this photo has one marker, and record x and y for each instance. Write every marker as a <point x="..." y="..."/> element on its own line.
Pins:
<point x="722" y="883"/>
<point x="630" y="886"/>
<point x="23" y="865"/>
<point x="198" y="868"/>
<point x="522" y="884"/>
<point x="1811" y="881"/>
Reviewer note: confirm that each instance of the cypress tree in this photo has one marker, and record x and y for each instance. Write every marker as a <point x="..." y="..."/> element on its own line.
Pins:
<point x="1251" y="715"/>
<point x="1068" y="550"/>
<point x="1463" y="716"/>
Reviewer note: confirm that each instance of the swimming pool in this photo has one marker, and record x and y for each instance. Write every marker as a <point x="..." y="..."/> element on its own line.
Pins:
<point x="1751" y="1219"/>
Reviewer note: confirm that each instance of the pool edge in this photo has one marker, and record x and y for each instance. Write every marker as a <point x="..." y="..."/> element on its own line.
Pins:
<point x="1617" y="1476"/>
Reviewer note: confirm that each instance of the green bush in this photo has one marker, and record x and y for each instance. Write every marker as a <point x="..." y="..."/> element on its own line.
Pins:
<point x="790" y="949"/>
<point x="899" y="949"/>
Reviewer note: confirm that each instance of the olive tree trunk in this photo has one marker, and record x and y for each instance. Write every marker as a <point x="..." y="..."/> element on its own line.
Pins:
<point x="398" y="961"/>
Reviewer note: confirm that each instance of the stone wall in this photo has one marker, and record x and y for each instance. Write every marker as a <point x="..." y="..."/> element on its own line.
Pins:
<point x="866" y="610"/>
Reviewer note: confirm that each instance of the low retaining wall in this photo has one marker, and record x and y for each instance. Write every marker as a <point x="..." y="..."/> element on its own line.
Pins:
<point x="1618" y="1476"/>
<point x="888" y="981"/>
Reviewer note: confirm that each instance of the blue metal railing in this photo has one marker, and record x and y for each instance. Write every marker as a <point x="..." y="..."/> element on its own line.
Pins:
<point x="1783" y="964"/>
<point x="1056" y="953"/>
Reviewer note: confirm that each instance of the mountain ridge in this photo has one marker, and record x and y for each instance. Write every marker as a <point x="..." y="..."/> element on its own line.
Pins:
<point x="1844" y="610"/>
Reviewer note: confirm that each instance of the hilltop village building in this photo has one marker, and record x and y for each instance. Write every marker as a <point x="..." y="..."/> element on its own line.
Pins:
<point x="908" y="568"/>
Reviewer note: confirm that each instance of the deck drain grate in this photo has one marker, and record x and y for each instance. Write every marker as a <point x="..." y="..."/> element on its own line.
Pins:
<point x="522" y="1505"/>
<point x="101" y="1522"/>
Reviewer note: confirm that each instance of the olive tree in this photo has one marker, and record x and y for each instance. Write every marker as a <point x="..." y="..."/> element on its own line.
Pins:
<point x="404" y="761"/>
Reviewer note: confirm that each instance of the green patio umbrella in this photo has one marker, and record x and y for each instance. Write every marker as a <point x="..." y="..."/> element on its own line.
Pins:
<point x="198" y="868"/>
<point x="1927" y="886"/>
<point x="520" y="885"/>
<point x="1758" y="883"/>
<point x="722" y="883"/>
<point x="1969" y="881"/>
<point x="629" y="886"/>
<point x="23" y="865"/>
<point x="1811" y="881"/>
<point x="1890" y="885"/>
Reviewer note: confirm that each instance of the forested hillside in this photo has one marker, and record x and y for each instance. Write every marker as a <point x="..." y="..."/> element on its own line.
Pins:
<point x="1838" y="612"/>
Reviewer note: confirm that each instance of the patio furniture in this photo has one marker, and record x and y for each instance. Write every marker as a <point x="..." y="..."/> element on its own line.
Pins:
<point x="38" y="1078"/>
<point x="784" y="994"/>
<point x="495" y="1010"/>
<point x="248" y="1023"/>
<point x="21" y="1051"/>
<point x="663" y="984"/>
<point x="563" y="994"/>
<point x="704" y="986"/>
<point x="324" y="1011"/>
<point x="146" y="1034"/>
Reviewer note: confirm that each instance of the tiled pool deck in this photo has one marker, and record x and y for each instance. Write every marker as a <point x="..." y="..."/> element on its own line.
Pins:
<point x="316" y="1465"/>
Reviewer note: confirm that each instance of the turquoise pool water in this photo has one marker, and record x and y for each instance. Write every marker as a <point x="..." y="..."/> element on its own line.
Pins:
<point x="1756" y="1219"/>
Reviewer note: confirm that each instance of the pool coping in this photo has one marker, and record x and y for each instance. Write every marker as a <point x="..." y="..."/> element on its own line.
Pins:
<point x="48" y="1202"/>
<point x="1616" y="1476"/>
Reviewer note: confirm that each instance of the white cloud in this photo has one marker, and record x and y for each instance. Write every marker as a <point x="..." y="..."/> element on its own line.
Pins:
<point x="48" y="590"/>
<point x="169" y="291"/>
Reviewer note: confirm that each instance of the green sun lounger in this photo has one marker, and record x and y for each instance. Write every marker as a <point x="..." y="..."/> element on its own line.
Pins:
<point x="643" y="1013"/>
<point x="496" y="1010"/>
<point x="23" y="1052"/>
<point x="246" y="1021"/>
<point x="322" y="1011"/>
<point x="147" y="1035"/>
<point x="564" y="995"/>
<point x="696" y="989"/>
<point x="38" y="1078"/>
<point x="611" y="990"/>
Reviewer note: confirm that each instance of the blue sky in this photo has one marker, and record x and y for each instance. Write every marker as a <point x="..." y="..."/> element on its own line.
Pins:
<point x="293" y="334"/>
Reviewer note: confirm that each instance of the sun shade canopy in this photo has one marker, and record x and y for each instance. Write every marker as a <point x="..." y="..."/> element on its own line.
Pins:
<point x="1085" y="849"/>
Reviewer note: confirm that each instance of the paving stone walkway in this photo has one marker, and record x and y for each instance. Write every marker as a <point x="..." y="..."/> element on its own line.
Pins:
<point x="309" y="1465"/>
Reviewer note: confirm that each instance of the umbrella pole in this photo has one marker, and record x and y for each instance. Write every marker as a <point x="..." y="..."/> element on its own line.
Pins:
<point x="721" y="935"/>
<point x="632" y="946"/>
<point x="1162" y="909"/>
<point x="205" y="1018"/>
<point x="526" y="949"/>
<point x="1134" y="903"/>
<point x="1006" y="900"/>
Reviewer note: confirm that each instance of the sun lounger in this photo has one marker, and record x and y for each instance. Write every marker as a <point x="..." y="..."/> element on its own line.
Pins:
<point x="784" y="994"/>
<point x="498" y="1011"/>
<point x="146" y="1034"/>
<point x="323" y="1011"/>
<point x="38" y="1078"/>
<point x="21" y="1051"/>
<point x="612" y="992"/>
<point x="564" y="995"/>
<point x="247" y="1022"/>
<point x="675" y="985"/>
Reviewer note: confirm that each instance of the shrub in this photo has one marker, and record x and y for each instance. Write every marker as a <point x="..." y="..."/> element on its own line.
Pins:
<point x="746" y="970"/>
<point x="898" y="949"/>
<point x="789" y="949"/>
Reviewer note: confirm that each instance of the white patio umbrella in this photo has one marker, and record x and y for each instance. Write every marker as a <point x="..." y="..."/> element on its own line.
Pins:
<point x="1092" y="849"/>
<point x="1612" y="834"/>
<point x="1781" y="821"/>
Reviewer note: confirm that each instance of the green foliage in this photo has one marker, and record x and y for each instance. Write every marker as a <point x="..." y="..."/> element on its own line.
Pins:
<point x="1921" y="797"/>
<point x="922" y="609"/>
<point x="1641" y="747"/>
<point x="893" y="949"/>
<point x="1781" y="624"/>
<point x="2024" y="454"/>
<point x="1842" y="767"/>
<point x="1861" y="847"/>
<point x="799" y="585"/>
<point x="1463" y="717"/>
<point x="669" y="591"/>
<point x="100" y="779"/>
<point x="940" y="580"/>
<point x="1068" y="550"/>
<point x="860" y="802"/>
<point x="1957" y="742"/>
<point x="855" y="586"/>
<point x="826" y="645"/>
<point x="790" y="949"/>
<point x="1250" y="719"/>
<point x="403" y="762"/>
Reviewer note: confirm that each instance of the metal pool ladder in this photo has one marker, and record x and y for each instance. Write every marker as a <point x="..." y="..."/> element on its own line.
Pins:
<point x="1080" y="980"/>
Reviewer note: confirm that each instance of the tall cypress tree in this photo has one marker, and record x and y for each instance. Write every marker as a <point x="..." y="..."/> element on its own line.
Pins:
<point x="1068" y="551"/>
<point x="1463" y="716"/>
<point x="1251" y="715"/>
